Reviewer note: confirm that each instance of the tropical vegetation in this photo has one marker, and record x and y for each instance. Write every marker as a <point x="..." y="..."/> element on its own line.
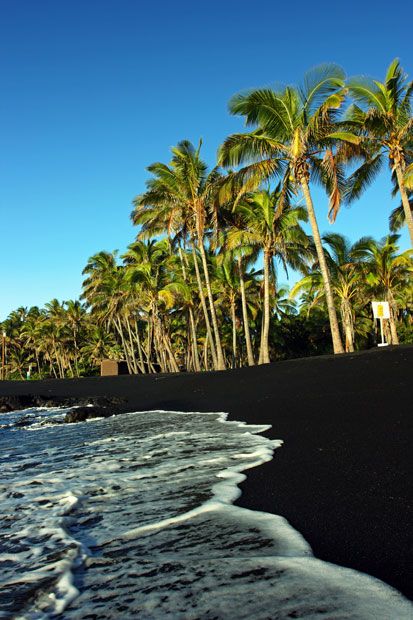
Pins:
<point x="200" y="287"/>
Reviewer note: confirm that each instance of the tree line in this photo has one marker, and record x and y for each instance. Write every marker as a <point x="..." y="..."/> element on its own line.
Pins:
<point x="199" y="287"/>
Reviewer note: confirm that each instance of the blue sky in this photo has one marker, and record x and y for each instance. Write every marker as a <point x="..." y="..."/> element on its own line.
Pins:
<point x="93" y="92"/>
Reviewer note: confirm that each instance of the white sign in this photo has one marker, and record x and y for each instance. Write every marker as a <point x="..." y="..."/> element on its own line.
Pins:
<point x="381" y="309"/>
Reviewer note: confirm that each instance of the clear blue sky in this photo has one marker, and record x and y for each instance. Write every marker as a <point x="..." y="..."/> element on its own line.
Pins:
<point x="94" y="91"/>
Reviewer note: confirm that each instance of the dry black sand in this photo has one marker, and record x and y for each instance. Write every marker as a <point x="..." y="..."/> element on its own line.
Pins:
<point x="343" y="476"/>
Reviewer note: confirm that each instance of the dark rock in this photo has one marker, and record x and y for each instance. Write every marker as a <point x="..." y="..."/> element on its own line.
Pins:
<point x="79" y="414"/>
<point x="25" y="420"/>
<point x="102" y="406"/>
<point x="14" y="403"/>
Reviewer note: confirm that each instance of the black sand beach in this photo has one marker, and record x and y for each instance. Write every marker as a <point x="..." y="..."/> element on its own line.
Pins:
<point x="342" y="478"/>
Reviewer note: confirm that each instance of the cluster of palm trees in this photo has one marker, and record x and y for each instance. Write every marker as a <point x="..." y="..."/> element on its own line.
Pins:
<point x="198" y="288"/>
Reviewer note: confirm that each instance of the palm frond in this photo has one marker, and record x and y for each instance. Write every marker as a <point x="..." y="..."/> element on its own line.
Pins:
<point x="366" y="92"/>
<point x="320" y="83"/>
<point x="362" y="178"/>
<point x="397" y="217"/>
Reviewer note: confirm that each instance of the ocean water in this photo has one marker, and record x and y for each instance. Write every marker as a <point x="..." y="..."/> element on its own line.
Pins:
<point x="132" y="517"/>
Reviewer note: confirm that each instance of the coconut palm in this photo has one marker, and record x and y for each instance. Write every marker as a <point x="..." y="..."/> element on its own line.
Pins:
<point x="183" y="192"/>
<point x="107" y="294"/>
<point x="274" y="228"/>
<point x="147" y="264"/>
<point x="293" y="135"/>
<point x="383" y="123"/>
<point x="345" y="279"/>
<point x="74" y="314"/>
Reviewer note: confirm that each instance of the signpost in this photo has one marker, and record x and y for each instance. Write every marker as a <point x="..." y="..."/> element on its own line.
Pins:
<point x="381" y="310"/>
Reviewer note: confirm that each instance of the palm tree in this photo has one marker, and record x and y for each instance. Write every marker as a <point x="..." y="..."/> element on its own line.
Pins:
<point x="74" y="314"/>
<point x="183" y="192"/>
<point x="107" y="294"/>
<point x="226" y="279"/>
<point x="147" y="264"/>
<point x="276" y="231"/>
<point x="387" y="273"/>
<point x="294" y="127"/>
<point x="345" y="279"/>
<point x="384" y="126"/>
<point x="100" y="344"/>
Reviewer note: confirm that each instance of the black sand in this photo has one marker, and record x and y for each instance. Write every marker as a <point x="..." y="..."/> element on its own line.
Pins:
<point x="343" y="476"/>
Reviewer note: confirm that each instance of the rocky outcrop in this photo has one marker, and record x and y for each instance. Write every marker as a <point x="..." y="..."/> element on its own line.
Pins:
<point x="83" y="408"/>
<point x="80" y="414"/>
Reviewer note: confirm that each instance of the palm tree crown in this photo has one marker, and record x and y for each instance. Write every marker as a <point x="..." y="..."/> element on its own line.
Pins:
<point x="381" y="119"/>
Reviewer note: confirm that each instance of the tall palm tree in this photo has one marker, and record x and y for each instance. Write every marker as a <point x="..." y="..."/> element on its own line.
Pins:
<point x="383" y="122"/>
<point x="184" y="192"/>
<point x="275" y="228"/>
<point x="293" y="135"/>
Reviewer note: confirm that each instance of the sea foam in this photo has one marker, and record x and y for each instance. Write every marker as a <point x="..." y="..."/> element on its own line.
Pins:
<point x="133" y="516"/>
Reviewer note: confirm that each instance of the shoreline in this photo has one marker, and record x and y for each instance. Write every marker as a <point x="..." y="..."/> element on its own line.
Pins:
<point x="341" y="478"/>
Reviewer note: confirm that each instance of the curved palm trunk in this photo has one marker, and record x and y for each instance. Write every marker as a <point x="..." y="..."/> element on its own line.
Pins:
<point x="195" y="354"/>
<point x="193" y="336"/>
<point x="250" y="355"/>
<point x="140" y="348"/>
<point x="205" y="310"/>
<point x="405" y="200"/>
<point x="264" y="351"/>
<point x="118" y="325"/>
<point x="220" y="355"/>
<point x="206" y="353"/>
<point x="332" y="315"/>
<point x="134" y="362"/>
<point x="168" y="346"/>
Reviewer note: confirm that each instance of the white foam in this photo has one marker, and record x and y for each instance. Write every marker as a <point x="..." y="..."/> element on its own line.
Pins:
<point x="141" y="502"/>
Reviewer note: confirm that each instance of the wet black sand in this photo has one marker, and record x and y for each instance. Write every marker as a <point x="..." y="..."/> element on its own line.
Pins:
<point x="343" y="476"/>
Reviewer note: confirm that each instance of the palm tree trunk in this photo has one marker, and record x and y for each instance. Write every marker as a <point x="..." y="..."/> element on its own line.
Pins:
<point x="38" y="363"/>
<point x="52" y="368"/>
<point x="234" y="334"/>
<point x="118" y="326"/>
<point x="392" y="321"/>
<point x="332" y="315"/>
<point x="134" y="362"/>
<point x="250" y="354"/>
<point x="172" y="361"/>
<point x="205" y="309"/>
<point x="405" y="200"/>
<point x="206" y="352"/>
<point x="347" y="321"/>
<point x="140" y="348"/>
<point x="76" y="353"/>
<point x="159" y="349"/>
<point x="195" y="354"/>
<point x="220" y="355"/>
<point x="166" y="341"/>
<point x="264" y="351"/>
